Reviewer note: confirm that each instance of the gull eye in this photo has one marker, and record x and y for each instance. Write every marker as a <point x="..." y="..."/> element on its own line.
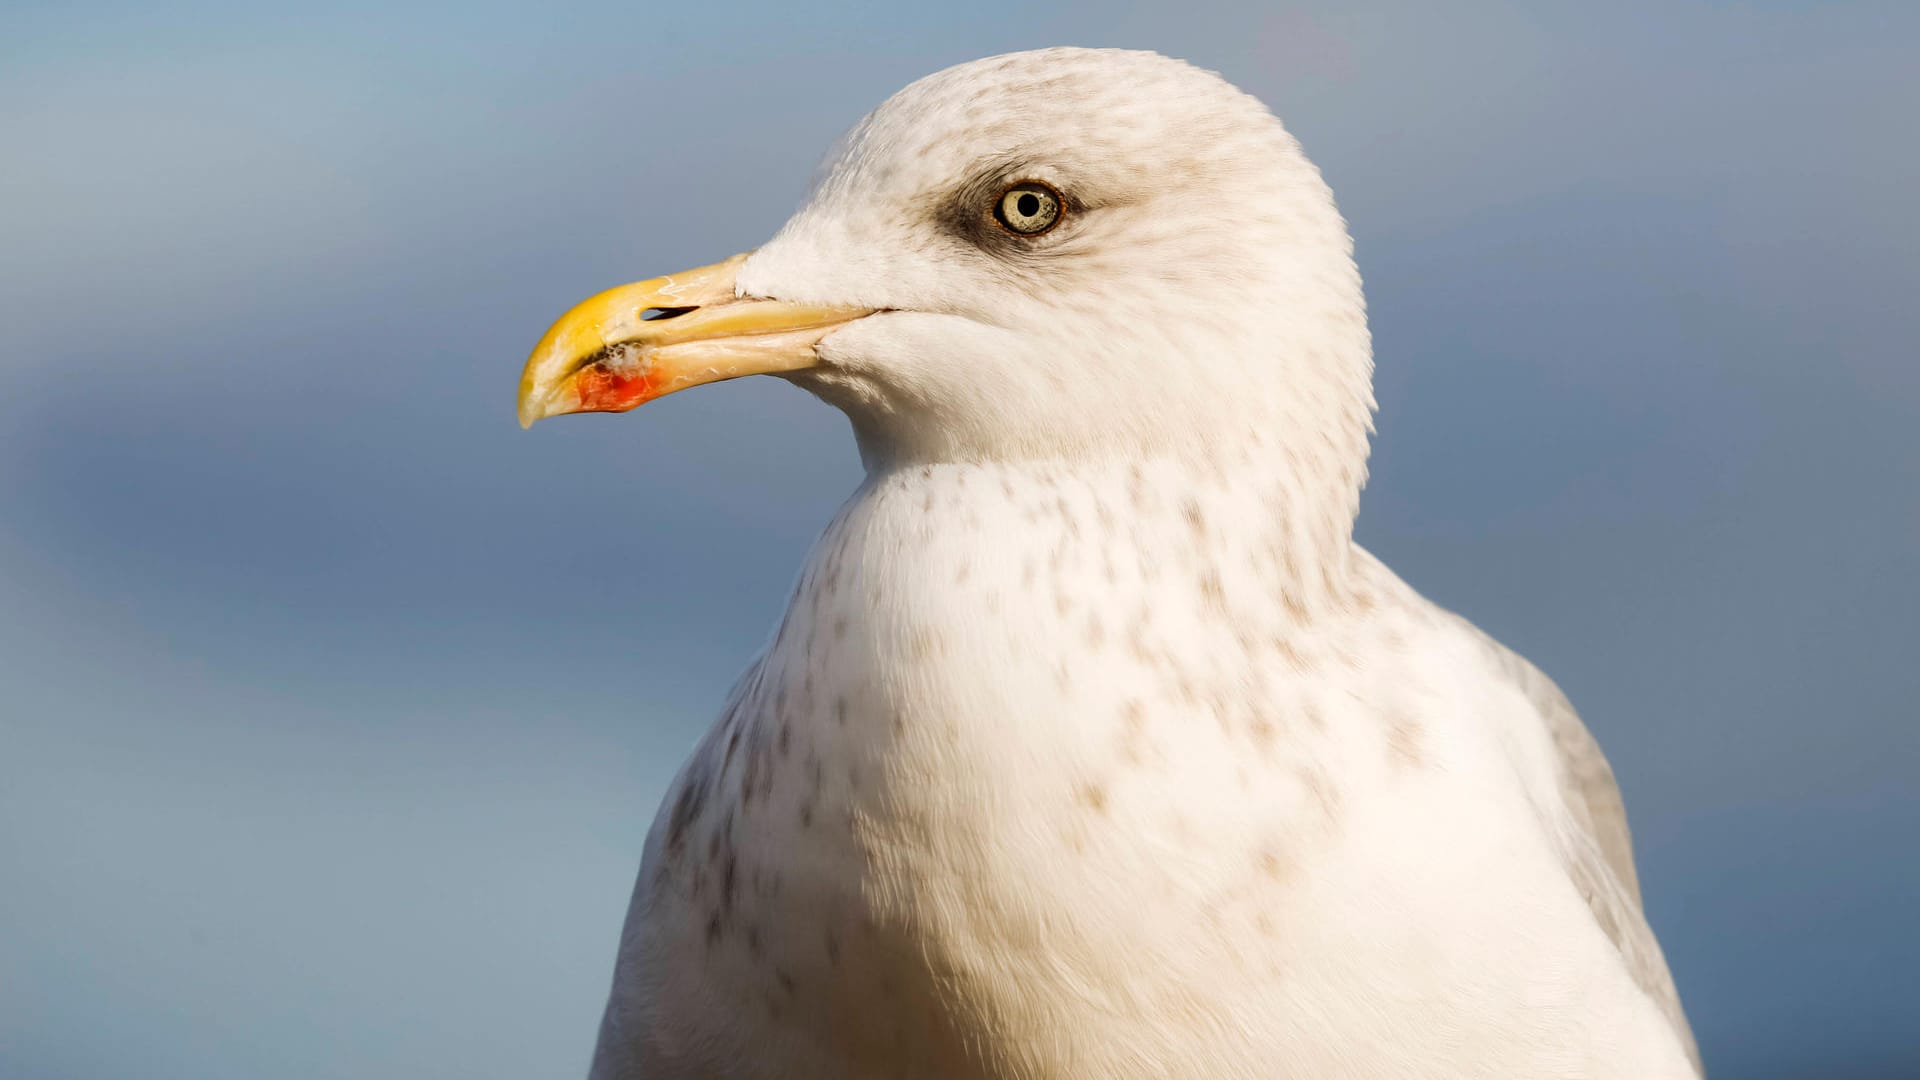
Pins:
<point x="1028" y="208"/>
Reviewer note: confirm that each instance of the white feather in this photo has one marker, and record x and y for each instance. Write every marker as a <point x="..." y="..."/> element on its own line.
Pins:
<point x="1090" y="745"/>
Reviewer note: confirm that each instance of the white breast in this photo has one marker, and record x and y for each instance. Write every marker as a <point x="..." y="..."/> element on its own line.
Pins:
<point x="1057" y="773"/>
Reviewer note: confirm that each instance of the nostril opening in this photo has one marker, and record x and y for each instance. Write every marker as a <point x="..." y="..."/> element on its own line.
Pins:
<point x="655" y="313"/>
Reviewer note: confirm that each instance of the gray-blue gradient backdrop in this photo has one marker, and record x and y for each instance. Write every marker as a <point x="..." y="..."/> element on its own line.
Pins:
<point x="333" y="707"/>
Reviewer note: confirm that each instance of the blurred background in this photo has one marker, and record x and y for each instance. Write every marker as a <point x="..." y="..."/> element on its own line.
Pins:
<point x="334" y="708"/>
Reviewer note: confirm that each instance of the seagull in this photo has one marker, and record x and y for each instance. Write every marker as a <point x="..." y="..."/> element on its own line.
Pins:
<point x="1090" y="744"/>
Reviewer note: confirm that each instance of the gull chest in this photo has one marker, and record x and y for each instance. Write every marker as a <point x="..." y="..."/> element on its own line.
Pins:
<point x="1028" y="743"/>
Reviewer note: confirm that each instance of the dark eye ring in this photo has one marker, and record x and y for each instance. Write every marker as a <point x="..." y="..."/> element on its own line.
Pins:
<point x="1029" y="208"/>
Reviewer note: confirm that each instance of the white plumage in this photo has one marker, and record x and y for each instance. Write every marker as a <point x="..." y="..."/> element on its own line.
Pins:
<point x="1090" y="745"/>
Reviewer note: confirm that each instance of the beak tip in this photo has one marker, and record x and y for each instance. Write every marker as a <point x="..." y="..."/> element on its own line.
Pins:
<point x="535" y="402"/>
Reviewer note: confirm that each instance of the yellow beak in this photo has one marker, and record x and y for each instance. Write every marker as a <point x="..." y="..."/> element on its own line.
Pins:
<point x="627" y="346"/>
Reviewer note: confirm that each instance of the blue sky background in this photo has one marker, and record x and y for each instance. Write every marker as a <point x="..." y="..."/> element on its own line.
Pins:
<point x="333" y="707"/>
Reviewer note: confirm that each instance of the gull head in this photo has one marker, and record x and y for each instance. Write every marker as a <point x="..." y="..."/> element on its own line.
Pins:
<point x="1059" y="254"/>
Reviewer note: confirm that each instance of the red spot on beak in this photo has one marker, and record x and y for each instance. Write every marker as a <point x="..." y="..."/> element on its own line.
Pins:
<point x="603" y="390"/>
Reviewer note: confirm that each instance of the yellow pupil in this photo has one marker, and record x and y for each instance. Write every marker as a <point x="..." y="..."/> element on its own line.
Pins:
<point x="1027" y="210"/>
